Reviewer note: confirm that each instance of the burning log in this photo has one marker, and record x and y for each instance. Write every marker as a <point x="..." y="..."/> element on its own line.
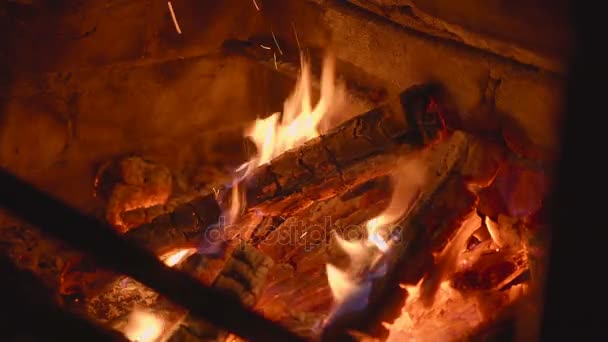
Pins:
<point x="360" y="149"/>
<point x="180" y="229"/>
<point x="112" y="251"/>
<point x="244" y="276"/>
<point x="417" y="238"/>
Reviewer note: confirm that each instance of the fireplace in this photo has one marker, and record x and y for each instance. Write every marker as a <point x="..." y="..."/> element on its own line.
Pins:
<point x="315" y="169"/>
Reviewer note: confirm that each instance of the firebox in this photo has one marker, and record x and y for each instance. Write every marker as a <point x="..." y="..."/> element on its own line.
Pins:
<point x="324" y="170"/>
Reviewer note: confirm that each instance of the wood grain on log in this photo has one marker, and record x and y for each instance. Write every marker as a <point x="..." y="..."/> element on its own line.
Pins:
<point x="360" y="149"/>
<point x="181" y="228"/>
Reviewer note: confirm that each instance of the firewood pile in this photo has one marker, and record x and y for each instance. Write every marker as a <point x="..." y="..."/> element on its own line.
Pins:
<point x="470" y="234"/>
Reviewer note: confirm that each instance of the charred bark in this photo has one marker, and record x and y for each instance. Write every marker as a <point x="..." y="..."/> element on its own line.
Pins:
<point x="181" y="228"/>
<point x="244" y="276"/>
<point x="356" y="151"/>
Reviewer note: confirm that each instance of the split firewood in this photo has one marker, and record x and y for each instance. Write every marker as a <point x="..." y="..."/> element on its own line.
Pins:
<point x="363" y="148"/>
<point x="358" y="150"/>
<point x="182" y="228"/>
<point x="415" y="238"/>
<point x="244" y="275"/>
<point x="131" y="183"/>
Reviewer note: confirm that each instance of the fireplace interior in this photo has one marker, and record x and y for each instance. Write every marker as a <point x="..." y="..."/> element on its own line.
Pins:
<point x="324" y="170"/>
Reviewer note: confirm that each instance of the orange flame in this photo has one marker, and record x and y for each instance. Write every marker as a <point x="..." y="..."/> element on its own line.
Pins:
<point x="175" y="257"/>
<point x="143" y="326"/>
<point x="300" y="121"/>
<point x="363" y="254"/>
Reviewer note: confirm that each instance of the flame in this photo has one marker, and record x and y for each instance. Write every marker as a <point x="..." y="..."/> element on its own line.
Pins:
<point x="143" y="326"/>
<point x="407" y="182"/>
<point x="367" y="255"/>
<point x="300" y="121"/>
<point x="340" y="283"/>
<point x="373" y="234"/>
<point x="448" y="314"/>
<point x="175" y="257"/>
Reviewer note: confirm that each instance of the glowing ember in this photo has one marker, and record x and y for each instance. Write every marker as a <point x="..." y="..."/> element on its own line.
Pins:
<point x="175" y="257"/>
<point x="494" y="233"/>
<point x="143" y="327"/>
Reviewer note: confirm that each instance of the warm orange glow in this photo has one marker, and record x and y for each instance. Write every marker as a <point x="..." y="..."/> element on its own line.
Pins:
<point x="300" y="120"/>
<point x="340" y="283"/>
<point x="407" y="182"/>
<point x="143" y="327"/>
<point x="298" y="123"/>
<point x="175" y="257"/>
<point x="494" y="232"/>
<point x="364" y="254"/>
<point x="449" y="314"/>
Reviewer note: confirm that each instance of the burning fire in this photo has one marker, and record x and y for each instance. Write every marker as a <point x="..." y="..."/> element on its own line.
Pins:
<point x="449" y="313"/>
<point x="175" y="257"/>
<point x="143" y="326"/>
<point x="367" y="254"/>
<point x="300" y="120"/>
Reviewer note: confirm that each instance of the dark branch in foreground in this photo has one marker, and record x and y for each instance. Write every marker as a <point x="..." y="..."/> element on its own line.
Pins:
<point x="90" y="236"/>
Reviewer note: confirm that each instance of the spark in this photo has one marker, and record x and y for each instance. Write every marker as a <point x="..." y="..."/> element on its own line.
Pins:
<point x="256" y="5"/>
<point x="276" y="42"/>
<point x="293" y="26"/>
<point x="179" y="31"/>
<point x="275" y="60"/>
<point x="265" y="47"/>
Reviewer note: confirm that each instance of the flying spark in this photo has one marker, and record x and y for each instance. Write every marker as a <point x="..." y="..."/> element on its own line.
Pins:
<point x="295" y="33"/>
<point x="179" y="31"/>
<point x="276" y="42"/>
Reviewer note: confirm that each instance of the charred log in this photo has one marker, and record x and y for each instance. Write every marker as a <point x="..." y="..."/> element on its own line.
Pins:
<point x="64" y="222"/>
<point x="243" y="276"/>
<point x="182" y="228"/>
<point x="30" y="311"/>
<point x="356" y="151"/>
<point x="416" y="239"/>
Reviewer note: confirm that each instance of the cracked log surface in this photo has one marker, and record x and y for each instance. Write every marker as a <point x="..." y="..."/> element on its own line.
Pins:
<point x="360" y="149"/>
<point x="181" y="228"/>
<point x="244" y="275"/>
